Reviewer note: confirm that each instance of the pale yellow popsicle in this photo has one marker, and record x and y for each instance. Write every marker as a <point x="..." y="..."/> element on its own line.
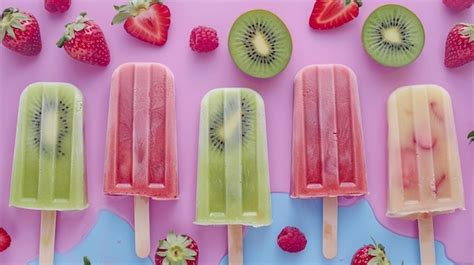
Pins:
<point x="424" y="166"/>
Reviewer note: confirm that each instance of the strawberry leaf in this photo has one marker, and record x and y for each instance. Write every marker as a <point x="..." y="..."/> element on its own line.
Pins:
<point x="3" y="32"/>
<point x="86" y="260"/>
<point x="120" y="17"/>
<point x="470" y="136"/>
<point x="10" y="32"/>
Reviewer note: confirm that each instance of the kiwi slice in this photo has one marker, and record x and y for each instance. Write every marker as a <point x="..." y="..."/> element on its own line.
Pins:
<point x="393" y="35"/>
<point x="50" y="114"/>
<point x="260" y="44"/>
<point x="238" y="111"/>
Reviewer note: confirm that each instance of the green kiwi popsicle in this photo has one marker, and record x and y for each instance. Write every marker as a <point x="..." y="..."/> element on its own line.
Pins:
<point x="48" y="166"/>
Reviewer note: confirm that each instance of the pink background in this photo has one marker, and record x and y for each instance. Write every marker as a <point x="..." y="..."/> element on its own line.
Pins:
<point x="196" y="74"/>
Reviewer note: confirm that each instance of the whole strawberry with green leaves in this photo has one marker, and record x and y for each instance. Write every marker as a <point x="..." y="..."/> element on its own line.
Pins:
<point x="459" y="45"/>
<point x="177" y="250"/>
<point x="373" y="254"/>
<point x="20" y="32"/>
<point x="84" y="41"/>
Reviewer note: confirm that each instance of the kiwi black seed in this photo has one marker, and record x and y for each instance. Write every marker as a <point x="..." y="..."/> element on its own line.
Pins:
<point x="216" y="123"/>
<point x="393" y="35"/>
<point x="50" y="108"/>
<point x="260" y="44"/>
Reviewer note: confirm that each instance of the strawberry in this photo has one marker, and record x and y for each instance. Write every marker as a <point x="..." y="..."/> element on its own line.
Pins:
<point x="177" y="250"/>
<point x="291" y="239"/>
<point x="458" y="5"/>
<point x="373" y="254"/>
<point x="470" y="137"/>
<point x="203" y="39"/>
<point x="328" y="14"/>
<point x="57" y="5"/>
<point x="84" y="41"/>
<point x="146" y="20"/>
<point x="5" y="240"/>
<point x="459" y="45"/>
<point x="20" y="32"/>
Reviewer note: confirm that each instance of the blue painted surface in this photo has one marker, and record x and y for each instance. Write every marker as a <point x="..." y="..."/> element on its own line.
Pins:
<point x="110" y="242"/>
<point x="356" y="224"/>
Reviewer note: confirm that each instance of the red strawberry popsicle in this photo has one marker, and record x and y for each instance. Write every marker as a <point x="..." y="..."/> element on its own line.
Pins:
<point x="141" y="155"/>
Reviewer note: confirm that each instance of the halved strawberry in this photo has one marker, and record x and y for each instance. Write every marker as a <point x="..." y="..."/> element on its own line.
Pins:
<point x="328" y="14"/>
<point x="146" y="20"/>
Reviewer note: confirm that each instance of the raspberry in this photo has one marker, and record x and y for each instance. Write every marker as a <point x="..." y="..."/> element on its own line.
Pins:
<point x="291" y="239"/>
<point x="203" y="39"/>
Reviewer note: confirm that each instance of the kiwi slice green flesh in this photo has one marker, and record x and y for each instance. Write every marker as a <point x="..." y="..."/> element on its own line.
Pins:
<point x="260" y="44"/>
<point x="50" y="123"/>
<point x="241" y="111"/>
<point x="393" y="35"/>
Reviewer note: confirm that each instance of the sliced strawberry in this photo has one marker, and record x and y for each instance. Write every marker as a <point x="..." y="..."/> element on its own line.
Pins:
<point x="146" y="20"/>
<point x="328" y="14"/>
<point x="5" y="240"/>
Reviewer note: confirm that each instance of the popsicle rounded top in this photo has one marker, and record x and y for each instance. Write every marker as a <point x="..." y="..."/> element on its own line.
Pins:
<point x="141" y="155"/>
<point x="424" y="166"/>
<point x="328" y="157"/>
<point x="233" y="180"/>
<point x="48" y="166"/>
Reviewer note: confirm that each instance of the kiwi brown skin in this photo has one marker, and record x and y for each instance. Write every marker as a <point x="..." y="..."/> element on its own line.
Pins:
<point x="409" y="30"/>
<point x="278" y="43"/>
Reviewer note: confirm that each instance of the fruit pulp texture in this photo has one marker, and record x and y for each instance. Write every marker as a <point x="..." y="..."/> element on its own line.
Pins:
<point x="48" y="166"/>
<point x="424" y="166"/>
<point x="328" y="150"/>
<point x="233" y="180"/>
<point x="141" y="155"/>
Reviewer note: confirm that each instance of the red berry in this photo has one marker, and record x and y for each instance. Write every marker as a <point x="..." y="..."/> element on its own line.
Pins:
<point x="84" y="41"/>
<point x="5" y="240"/>
<point x="459" y="45"/>
<point x="20" y="32"/>
<point x="146" y="20"/>
<point x="291" y="239"/>
<point x="328" y="14"/>
<point x="176" y="249"/>
<point x="458" y="5"/>
<point x="57" y="5"/>
<point x="374" y="253"/>
<point x="203" y="39"/>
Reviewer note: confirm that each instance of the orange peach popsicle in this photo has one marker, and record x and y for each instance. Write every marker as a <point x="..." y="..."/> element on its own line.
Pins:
<point x="328" y="153"/>
<point x="141" y="156"/>
<point x="424" y="167"/>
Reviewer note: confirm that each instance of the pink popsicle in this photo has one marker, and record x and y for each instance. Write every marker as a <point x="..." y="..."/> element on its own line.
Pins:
<point x="141" y="141"/>
<point x="141" y="135"/>
<point x="328" y="152"/>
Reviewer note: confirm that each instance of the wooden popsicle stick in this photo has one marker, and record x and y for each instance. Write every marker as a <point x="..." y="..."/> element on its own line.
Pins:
<point x="142" y="226"/>
<point x="234" y="242"/>
<point x="330" y="227"/>
<point x="426" y="238"/>
<point x="47" y="237"/>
